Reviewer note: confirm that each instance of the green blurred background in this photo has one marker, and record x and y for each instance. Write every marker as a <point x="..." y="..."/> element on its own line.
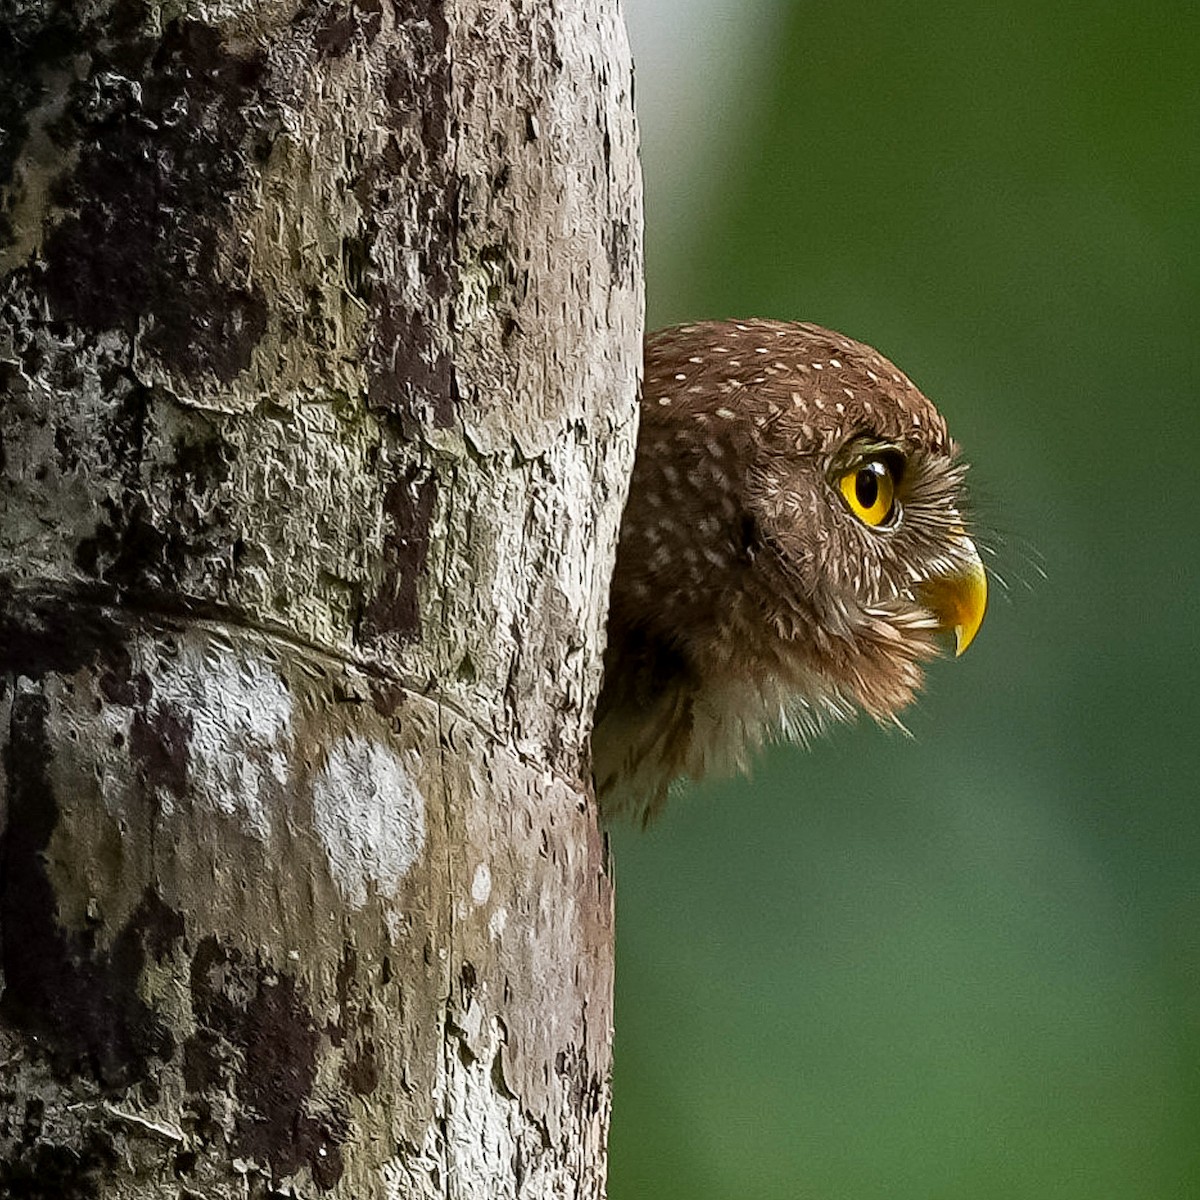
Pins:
<point x="965" y="965"/>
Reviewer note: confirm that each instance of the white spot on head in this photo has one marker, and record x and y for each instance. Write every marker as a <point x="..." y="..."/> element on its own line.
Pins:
<point x="833" y="362"/>
<point x="680" y="377"/>
<point x="696" y="359"/>
<point x="664" y="401"/>
<point x="481" y="884"/>
<point x="369" y="815"/>
<point x="818" y="366"/>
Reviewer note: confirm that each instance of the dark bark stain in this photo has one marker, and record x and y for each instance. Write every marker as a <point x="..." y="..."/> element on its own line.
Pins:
<point x="43" y="1171"/>
<point x="34" y="40"/>
<point x="255" y="1031"/>
<point x="346" y="974"/>
<point x="345" y="25"/>
<point x="408" y="509"/>
<point x="362" y="1071"/>
<point x="75" y="1004"/>
<point x="160" y="743"/>
<point x="204" y="460"/>
<point x="130" y="551"/>
<point x="410" y="369"/>
<point x="360" y="1068"/>
<point x="120" y="684"/>
<point x="46" y="635"/>
<point x="204" y="1066"/>
<point x="165" y="136"/>
<point x="618" y="246"/>
<point x="421" y="85"/>
<point x="136" y="550"/>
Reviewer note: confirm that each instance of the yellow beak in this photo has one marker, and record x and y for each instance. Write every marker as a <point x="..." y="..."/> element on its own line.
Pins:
<point x="959" y="599"/>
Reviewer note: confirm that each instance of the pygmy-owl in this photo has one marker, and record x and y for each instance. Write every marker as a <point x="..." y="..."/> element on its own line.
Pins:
<point x="793" y="544"/>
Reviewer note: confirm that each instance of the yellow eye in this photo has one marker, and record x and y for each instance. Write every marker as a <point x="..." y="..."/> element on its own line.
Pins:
<point x="870" y="490"/>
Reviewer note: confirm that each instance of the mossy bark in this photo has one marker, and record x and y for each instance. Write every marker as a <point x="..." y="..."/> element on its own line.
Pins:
<point x="319" y="335"/>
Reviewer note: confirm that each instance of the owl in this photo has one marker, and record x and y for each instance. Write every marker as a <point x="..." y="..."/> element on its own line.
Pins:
<point x="794" y="548"/>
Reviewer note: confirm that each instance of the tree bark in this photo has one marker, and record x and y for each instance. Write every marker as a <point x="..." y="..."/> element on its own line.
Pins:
<point x="320" y="327"/>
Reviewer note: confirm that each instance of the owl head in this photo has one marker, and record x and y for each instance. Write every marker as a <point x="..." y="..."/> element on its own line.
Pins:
<point x="794" y="547"/>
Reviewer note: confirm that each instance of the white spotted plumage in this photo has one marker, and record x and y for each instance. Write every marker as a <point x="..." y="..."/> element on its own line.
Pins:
<point x="747" y="602"/>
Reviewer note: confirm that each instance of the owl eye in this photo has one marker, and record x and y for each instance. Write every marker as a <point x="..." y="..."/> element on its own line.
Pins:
<point x="870" y="490"/>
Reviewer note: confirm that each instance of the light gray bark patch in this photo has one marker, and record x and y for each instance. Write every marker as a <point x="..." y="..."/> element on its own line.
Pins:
<point x="228" y="712"/>
<point x="165" y="139"/>
<point x="370" y="817"/>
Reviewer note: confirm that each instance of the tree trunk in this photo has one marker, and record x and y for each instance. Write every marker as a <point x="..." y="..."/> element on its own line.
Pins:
<point x="319" y="334"/>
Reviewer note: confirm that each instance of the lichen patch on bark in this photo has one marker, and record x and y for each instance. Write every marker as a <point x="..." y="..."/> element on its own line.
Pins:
<point x="370" y="817"/>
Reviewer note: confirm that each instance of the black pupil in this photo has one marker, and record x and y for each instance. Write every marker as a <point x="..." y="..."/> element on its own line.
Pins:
<point x="866" y="487"/>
